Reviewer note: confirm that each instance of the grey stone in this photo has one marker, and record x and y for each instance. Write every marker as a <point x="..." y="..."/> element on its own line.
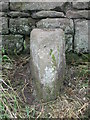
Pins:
<point x="45" y="14"/>
<point x="69" y="42"/>
<point x="23" y="6"/>
<point x="18" y="14"/>
<point x="67" y="6"/>
<point x="21" y="25"/>
<point x="63" y="23"/>
<point x="47" y="50"/>
<point x="3" y="14"/>
<point x="78" y="14"/>
<point x="4" y="0"/>
<point x="81" y="36"/>
<point x="0" y="45"/>
<point x="4" y="6"/>
<point x="4" y="25"/>
<point x="81" y="5"/>
<point x="12" y="44"/>
<point x="89" y="35"/>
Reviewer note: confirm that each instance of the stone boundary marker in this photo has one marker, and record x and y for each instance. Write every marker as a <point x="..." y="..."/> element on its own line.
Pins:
<point x="47" y="51"/>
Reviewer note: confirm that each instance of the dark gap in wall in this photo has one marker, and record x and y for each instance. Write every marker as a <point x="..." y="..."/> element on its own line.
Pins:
<point x="38" y="19"/>
<point x="34" y="11"/>
<point x="73" y="47"/>
<point x="83" y="18"/>
<point x="18" y="17"/>
<point x="26" y="44"/>
<point x="57" y="9"/>
<point x="81" y="9"/>
<point x="23" y="42"/>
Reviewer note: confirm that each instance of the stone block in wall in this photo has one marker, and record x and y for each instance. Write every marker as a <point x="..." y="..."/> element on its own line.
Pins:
<point x="3" y="14"/>
<point x="63" y="23"/>
<point x="4" y="25"/>
<point x="47" y="63"/>
<point x="45" y="14"/>
<point x="4" y="6"/>
<point x="81" y="5"/>
<point x="24" y="6"/>
<point x="18" y="14"/>
<point x="81" y="36"/>
<point x="12" y="44"/>
<point x="21" y="25"/>
<point x="78" y="14"/>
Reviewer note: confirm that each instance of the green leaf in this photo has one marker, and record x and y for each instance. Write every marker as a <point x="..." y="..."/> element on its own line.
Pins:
<point x="27" y="111"/>
<point x="51" y="51"/>
<point x="85" y="85"/>
<point x="53" y="57"/>
<point x="3" y="50"/>
<point x="24" y="44"/>
<point x="5" y="58"/>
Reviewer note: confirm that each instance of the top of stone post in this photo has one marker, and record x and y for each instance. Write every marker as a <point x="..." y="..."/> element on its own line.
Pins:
<point x="49" y="0"/>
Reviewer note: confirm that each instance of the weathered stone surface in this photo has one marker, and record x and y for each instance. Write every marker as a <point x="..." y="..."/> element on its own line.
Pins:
<point x="4" y="0"/>
<point x="89" y="35"/>
<point x="3" y="14"/>
<point x="23" y="6"/>
<point x="81" y="5"/>
<point x="67" y="6"/>
<point x="45" y="14"/>
<point x="21" y="25"/>
<point x="18" y="14"/>
<point x="69" y="42"/>
<point x="47" y="0"/>
<point x="12" y="43"/>
<point x="78" y="14"/>
<point x="4" y="6"/>
<point x="47" y="61"/>
<point x="3" y="25"/>
<point x="81" y="36"/>
<point x="0" y="45"/>
<point x="63" y="23"/>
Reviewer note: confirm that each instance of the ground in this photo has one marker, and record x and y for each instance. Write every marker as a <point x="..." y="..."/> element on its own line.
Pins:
<point x="19" y="99"/>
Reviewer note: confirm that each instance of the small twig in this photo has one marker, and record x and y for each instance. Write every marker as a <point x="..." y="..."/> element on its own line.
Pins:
<point x="23" y="92"/>
<point x="83" y="108"/>
<point x="40" y="113"/>
<point x="7" y="108"/>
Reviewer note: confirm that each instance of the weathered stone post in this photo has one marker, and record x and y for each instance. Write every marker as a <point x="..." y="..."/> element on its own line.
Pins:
<point x="47" y="50"/>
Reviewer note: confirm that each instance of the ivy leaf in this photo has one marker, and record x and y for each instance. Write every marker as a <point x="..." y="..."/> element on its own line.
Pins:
<point x="5" y="58"/>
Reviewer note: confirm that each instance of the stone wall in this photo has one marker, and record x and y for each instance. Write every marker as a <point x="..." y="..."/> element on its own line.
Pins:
<point x="19" y="18"/>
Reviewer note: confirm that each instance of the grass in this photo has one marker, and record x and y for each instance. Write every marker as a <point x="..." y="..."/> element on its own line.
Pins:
<point x="12" y="106"/>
